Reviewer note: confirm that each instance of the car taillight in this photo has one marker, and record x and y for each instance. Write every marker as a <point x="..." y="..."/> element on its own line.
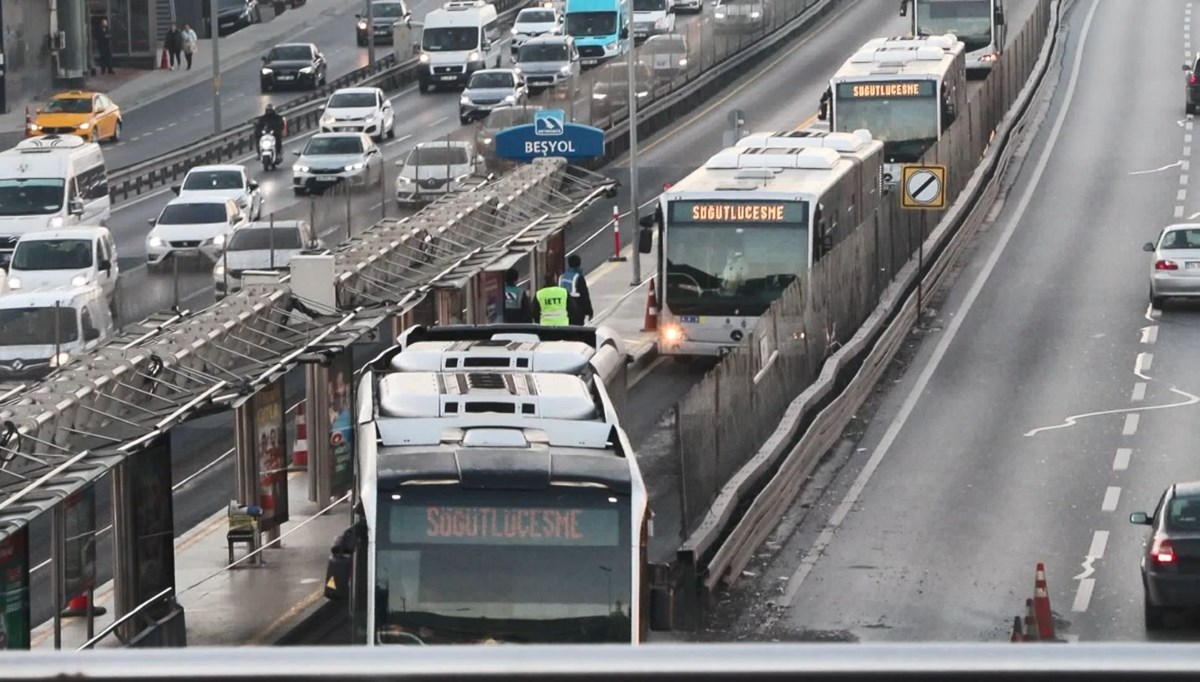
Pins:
<point x="1162" y="551"/>
<point x="1166" y="265"/>
<point x="1192" y="79"/>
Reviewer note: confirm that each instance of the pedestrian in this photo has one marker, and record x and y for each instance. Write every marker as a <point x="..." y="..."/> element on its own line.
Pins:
<point x="576" y="285"/>
<point x="823" y="107"/>
<point x="104" y="45"/>
<point x="516" y="300"/>
<point x="189" y="44"/>
<point x="173" y="41"/>
<point x="550" y="303"/>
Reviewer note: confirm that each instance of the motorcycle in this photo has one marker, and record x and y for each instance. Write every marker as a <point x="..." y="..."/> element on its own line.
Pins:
<point x="266" y="151"/>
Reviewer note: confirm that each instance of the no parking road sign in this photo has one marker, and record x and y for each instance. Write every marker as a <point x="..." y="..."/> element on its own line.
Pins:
<point x="924" y="187"/>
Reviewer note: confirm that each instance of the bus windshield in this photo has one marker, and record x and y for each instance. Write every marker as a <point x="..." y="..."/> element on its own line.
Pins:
<point x="907" y="126"/>
<point x="472" y="566"/>
<point x="722" y="263"/>
<point x="969" y="20"/>
<point x="590" y="24"/>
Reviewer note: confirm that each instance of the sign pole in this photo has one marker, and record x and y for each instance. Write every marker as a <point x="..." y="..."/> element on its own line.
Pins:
<point x="214" y="32"/>
<point x="633" y="166"/>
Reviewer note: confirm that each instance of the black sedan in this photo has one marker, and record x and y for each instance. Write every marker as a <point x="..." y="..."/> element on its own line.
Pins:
<point x="1191" y="87"/>
<point x="235" y="14"/>
<point x="1171" y="562"/>
<point x="293" y="65"/>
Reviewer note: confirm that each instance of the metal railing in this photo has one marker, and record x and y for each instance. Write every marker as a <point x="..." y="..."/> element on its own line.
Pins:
<point x="165" y="597"/>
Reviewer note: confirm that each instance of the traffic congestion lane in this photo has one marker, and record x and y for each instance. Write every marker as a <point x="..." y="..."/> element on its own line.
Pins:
<point x="995" y="450"/>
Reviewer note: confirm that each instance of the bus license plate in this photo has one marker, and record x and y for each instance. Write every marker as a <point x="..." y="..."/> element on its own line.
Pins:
<point x="689" y="319"/>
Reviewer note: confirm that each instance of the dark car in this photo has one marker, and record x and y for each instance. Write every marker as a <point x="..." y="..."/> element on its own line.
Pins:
<point x="501" y="118"/>
<point x="610" y="87"/>
<point x="1171" y="561"/>
<point x="385" y="14"/>
<point x="292" y="65"/>
<point x="235" y="14"/>
<point x="1191" y="88"/>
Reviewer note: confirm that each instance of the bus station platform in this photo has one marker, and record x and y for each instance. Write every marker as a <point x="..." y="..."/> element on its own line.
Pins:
<point x="249" y="604"/>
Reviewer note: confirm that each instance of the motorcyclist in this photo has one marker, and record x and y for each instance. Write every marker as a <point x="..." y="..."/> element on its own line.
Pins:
<point x="273" y="122"/>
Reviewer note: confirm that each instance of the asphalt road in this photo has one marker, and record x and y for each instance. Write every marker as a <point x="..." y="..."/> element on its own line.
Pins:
<point x="1045" y="404"/>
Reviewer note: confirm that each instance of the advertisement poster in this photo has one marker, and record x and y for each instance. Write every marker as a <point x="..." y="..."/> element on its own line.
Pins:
<point x="14" y="591"/>
<point x="79" y="512"/>
<point x="269" y="437"/>
<point x="340" y="396"/>
<point x="153" y="520"/>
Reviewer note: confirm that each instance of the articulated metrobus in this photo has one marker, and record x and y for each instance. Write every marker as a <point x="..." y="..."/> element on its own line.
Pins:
<point x="738" y="231"/>
<point x="979" y="24"/>
<point x="499" y="500"/>
<point x="906" y="92"/>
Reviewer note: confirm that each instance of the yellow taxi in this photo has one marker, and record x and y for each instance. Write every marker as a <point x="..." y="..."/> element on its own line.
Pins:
<point x="90" y="115"/>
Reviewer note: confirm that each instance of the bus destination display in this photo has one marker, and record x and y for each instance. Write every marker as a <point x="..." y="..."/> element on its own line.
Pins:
<point x="445" y="525"/>
<point x="886" y="89"/>
<point x="771" y="212"/>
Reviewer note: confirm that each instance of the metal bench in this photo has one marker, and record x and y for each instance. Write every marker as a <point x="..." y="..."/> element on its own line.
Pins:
<point x="244" y="529"/>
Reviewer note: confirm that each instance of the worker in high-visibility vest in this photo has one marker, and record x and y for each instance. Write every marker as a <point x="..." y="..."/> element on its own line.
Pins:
<point x="550" y="303"/>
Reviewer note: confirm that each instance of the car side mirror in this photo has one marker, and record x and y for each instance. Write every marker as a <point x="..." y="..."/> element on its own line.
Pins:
<point x="150" y="222"/>
<point x="76" y="207"/>
<point x="400" y="163"/>
<point x="1140" y="519"/>
<point x="1148" y="247"/>
<point x="104" y="266"/>
<point x="295" y="152"/>
<point x="624" y="32"/>
<point x="646" y="237"/>
<point x="1186" y="67"/>
<point x="264" y="59"/>
<point x="91" y="334"/>
<point x="358" y="16"/>
<point x="253" y="185"/>
<point x="176" y="188"/>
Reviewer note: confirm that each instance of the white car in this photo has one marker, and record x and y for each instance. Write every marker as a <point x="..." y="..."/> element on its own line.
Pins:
<point x="66" y="258"/>
<point x="533" y="22"/>
<point x="191" y="228"/>
<point x="223" y="182"/>
<point x="261" y="246"/>
<point x="359" y="110"/>
<point x="434" y="169"/>
<point x="330" y="158"/>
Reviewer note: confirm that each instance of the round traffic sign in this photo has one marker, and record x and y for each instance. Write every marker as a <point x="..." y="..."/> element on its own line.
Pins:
<point x="923" y="187"/>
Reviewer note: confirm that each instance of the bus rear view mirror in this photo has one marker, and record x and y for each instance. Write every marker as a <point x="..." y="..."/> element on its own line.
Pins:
<point x="645" y="240"/>
<point x="340" y="567"/>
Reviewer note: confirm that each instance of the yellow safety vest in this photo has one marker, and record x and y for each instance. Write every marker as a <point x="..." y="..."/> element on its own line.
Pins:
<point x="552" y="302"/>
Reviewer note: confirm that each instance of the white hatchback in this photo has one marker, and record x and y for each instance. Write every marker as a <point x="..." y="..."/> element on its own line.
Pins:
<point x="223" y="182"/>
<point x="192" y="228"/>
<point x="359" y="110"/>
<point x="67" y="258"/>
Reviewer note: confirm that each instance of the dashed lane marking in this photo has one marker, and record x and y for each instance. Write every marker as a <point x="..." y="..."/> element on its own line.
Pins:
<point x="1121" y="461"/>
<point x="1131" y="424"/>
<point x="1150" y="333"/>
<point x="1112" y="497"/>
<point x="1142" y="364"/>
<point x="1139" y="392"/>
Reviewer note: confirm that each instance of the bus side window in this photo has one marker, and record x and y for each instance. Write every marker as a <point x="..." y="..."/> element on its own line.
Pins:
<point x="821" y="239"/>
<point x="949" y="109"/>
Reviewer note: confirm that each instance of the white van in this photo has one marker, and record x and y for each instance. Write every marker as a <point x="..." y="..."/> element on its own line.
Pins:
<point x="50" y="182"/>
<point x="67" y="258"/>
<point x="31" y="320"/>
<point x="457" y="40"/>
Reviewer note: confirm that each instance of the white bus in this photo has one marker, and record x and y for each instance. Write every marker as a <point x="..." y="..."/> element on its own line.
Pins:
<point x="907" y="92"/>
<point x="737" y="232"/>
<point x="979" y="24"/>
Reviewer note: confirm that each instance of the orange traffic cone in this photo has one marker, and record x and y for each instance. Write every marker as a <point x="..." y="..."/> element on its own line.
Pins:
<point x="163" y="63"/>
<point x="300" y="449"/>
<point x="651" y="322"/>
<point x="78" y="606"/>
<point x="1041" y="600"/>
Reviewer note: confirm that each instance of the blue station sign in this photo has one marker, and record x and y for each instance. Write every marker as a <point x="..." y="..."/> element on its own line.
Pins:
<point x="550" y="135"/>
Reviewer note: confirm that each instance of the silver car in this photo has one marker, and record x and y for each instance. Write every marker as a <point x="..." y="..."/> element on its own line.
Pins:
<point x="489" y="89"/>
<point x="261" y="247"/>
<point x="331" y="158"/>
<point x="549" y="62"/>
<point x="1175" y="272"/>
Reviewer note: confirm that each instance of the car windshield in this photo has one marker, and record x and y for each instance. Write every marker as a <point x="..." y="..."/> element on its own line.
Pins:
<point x="69" y="105"/>
<point x="52" y="254"/>
<point x="333" y="145"/>
<point x="592" y="23"/>
<point x="535" y="16"/>
<point x="1181" y="239"/>
<point x="437" y="156"/>
<point x="290" y="53"/>
<point x="192" y="214"/>
<point x="263" y="238"/>
<point x="352" y="100"/>
<point x="31" y="196"/>
<point x="542" y="52"/>
<point x="35" y="326"/>
<point x="495" y="79"/>
<point x="386" y="10"/>
<point x="665" y="46"/>
<point x="215" y="179"/>
<point x="450" y="39"/>
<point x="649" y="5"/>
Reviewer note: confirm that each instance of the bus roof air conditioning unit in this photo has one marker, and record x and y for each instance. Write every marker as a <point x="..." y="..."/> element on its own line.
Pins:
<point x="930" y="54"/>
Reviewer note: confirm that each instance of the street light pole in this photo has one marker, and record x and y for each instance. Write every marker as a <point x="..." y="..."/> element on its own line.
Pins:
<point x="633" y="166"/>
<point x="371" y="32"/>
<point x="215" y="31"/>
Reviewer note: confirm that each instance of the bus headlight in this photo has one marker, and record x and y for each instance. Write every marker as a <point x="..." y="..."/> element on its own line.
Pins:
<point x="671" y="335"/>
<point x="59" y="360"/>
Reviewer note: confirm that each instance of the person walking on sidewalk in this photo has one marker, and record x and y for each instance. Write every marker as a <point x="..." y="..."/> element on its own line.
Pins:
<point x="173" y="41"/>
<point x="576" y="285"/>
<point x="550" y="304"/>
<point x="189" y="44"/>
<point x="516" y="300"/>
<point x="104" y="46"/>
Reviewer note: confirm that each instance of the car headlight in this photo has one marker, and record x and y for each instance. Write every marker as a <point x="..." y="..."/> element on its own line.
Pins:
<point x="14" y="282"/>
<point x="566" y="70"/>
<point x="464" y="100"/>
<point x="80" y="280"/>
<point x="219" y="271"/>
<point x="423" y="58"/>
<point x="307" y="69"/>
<point x="516" y="68"/>
<point x="56" y="221"/>
<point x="34" y="127"/>
<point x="85" y="126"/>
<point x="485" y="140"/>
<point x="473" y="57"/>
<point x="510" y="99"/>
<point x="267" y="71"/>
<point x="362" y="25"/>
<point x="719" y="15"/>
<point x="661" y="22"/>
<point x="356" y="167"/>
<point x="401" y="180"/>
<point x="599" y="95"/>
<point x="327" y="120"/>
<point x="611" y="46"/>
<point x="218" y="240"/>
<point x="59" y="359"/>
<point x="755" y="15"/>
<point x="300" y="169"/>
<point x="683" y="61"/>
<point x="156" y="242"/>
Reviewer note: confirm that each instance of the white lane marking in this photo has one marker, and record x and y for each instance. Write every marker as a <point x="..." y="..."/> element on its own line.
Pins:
<point x="1121" y="461"/>
<point x="1157" y="170"/>
<point x="1178" y="211"/>
<point x="1139" y="392"/>
<point x="1181" y="195"/>
<point x="918" y="390"/>
<point x="1143" y="364"/>
<point x="1187" y="151"/>
<point x="398" y="140"/>
<point x="440" y="120"/>
<point x="1150" y="333"/>
<point x="1194" y="215"/>
<point x="1188" y="137"/>
<point x="1183" y="179"/>
<point x="1131" y="424"/>
<point x="1083" y="596"/>
<point x="1189" y="399"/>
<point x="1186" y="166"/>
<point x="1099" y="544"/>
<point x="1112" y="497"/>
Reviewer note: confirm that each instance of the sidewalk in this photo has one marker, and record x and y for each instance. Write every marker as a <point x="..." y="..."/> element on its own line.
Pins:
<point x="261" y="605"/>
<point x="131" y="88"/>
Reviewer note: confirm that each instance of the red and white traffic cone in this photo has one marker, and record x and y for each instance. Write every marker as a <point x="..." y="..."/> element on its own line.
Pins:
<point x="78" y="607"/>
<point x="300" y="448"/>
<point x="1041" y="602"/>
<point x="164" y="63"/>
<point x="1031" y="622"/>
<point x="616" y="221"/>
<point x="651" y="322"/>
<point x="1017" y="635"/>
